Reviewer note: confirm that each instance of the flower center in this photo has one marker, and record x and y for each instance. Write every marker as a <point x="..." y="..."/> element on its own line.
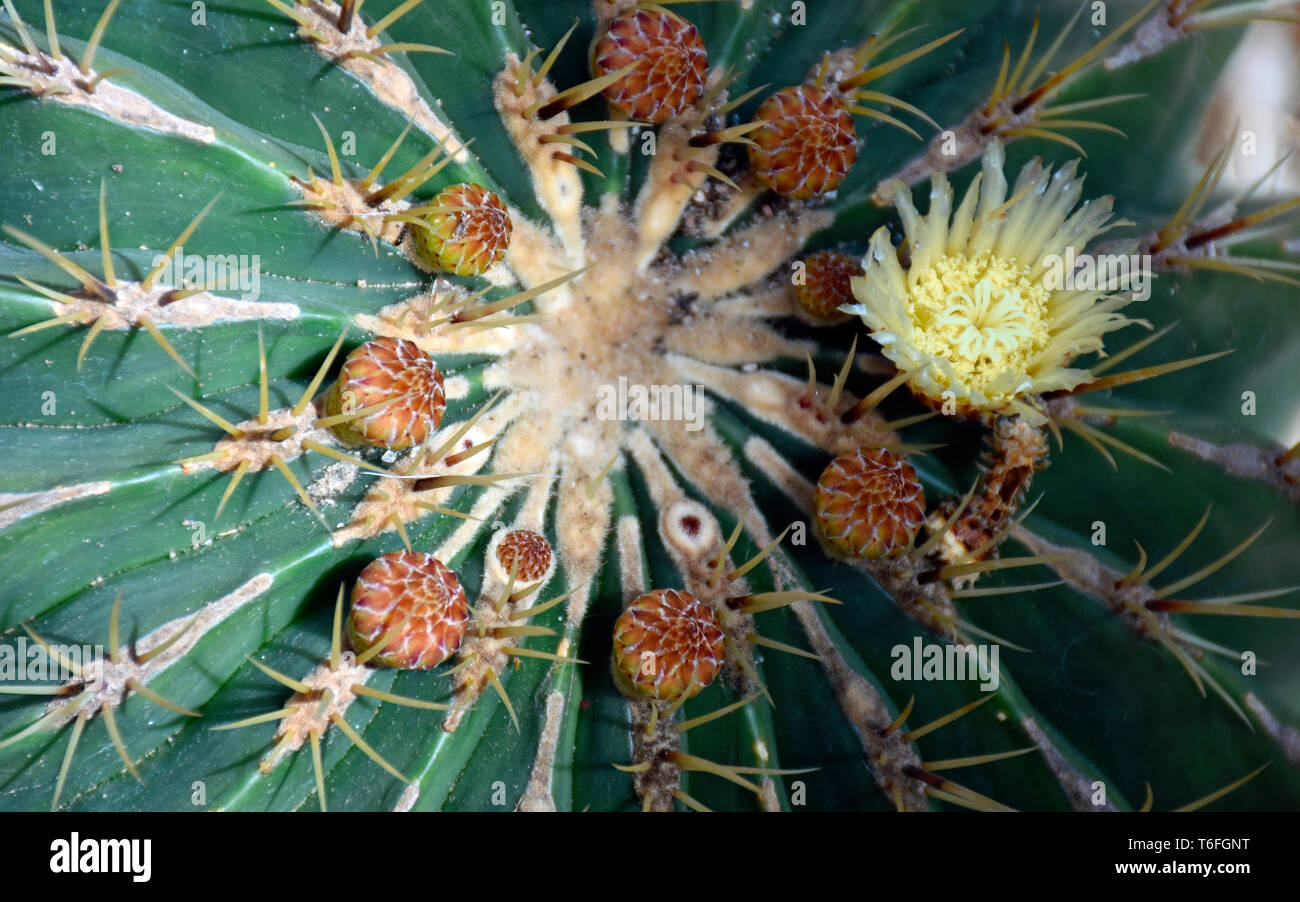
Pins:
<point x="982" y="315"/>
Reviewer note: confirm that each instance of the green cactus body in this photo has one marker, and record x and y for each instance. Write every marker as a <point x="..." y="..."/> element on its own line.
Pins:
<point x="207" y="210"/>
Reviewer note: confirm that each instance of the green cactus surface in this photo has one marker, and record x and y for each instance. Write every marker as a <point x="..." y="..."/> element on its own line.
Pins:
<point x="180" y="491"/>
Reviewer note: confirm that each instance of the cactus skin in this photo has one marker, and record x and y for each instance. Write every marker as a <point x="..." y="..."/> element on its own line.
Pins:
<point x="688" y="279"/>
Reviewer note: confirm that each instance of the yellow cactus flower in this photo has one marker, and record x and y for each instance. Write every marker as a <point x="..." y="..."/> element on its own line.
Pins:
<point x="984" y="316"/>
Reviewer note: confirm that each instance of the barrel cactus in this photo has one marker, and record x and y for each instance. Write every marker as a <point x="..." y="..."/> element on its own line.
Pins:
<point x="596" y="406"/>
